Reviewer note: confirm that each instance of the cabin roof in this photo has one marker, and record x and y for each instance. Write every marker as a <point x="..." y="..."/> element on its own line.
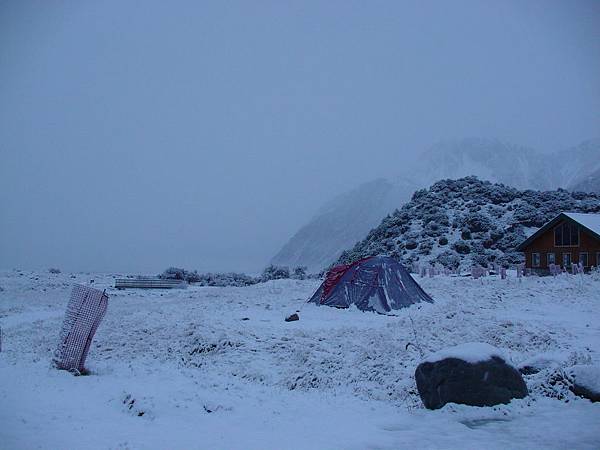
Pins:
<point x="590" y="222"/>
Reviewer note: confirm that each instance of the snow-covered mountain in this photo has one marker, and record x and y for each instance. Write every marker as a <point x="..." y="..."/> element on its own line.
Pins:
<point x="467" y="221"/>
<point x="348" y="218"/>
<point x="493" y="160"/>
<point x="340" y="223"/>
<point x="580" y="170"/>
<point x="590" y="183"/>
<point x="516" y="166"/>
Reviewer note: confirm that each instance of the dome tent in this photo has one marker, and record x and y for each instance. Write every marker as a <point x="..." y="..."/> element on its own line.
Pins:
<point x="377" y="283"/>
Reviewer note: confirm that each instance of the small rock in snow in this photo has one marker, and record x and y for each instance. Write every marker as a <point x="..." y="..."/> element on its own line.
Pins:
<point x="292" y="318"/>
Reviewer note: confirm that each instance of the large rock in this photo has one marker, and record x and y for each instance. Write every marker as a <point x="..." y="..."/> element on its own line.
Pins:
<point x="586" y="382"/>
<point x="473" y="374"/>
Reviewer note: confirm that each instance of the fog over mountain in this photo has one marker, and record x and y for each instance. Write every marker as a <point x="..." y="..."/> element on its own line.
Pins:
<point x="349" y="217"/>
<point x="579" y="166"/>
<point x="589" y="183"/>
<point x="205" y="134"/>
<point x="517" y="166"/>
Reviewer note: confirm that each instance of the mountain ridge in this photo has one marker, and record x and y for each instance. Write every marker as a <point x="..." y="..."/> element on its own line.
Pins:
<point x="335" y="226"/>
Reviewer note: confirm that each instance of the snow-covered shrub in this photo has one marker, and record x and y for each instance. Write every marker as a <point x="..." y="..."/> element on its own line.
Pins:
<point x="476" y="222"/>
<point x="174" y="273"/>
<point x="54" y="270"/>
<point x="528" y="215"/>
<point x="513" y="237"/>
<point x="299" y="273"/>
<point x="411" y="245"/>
<point x="480" y="260"/>
<point x="226" y="279"/>
<point x="436" y="215"/>
<point x="209" y="279"/>
<point x="496" y="234"/>
<point x="432" y="229"/>
<point x="495" y="212"/>
<point x="425" y="247"/>
<point x="448" y="259"/>
<point x="192" y="277"/>
<point x="462" y="247"/>
<point x="273" y="272"/>
<point x="508" y="259"/>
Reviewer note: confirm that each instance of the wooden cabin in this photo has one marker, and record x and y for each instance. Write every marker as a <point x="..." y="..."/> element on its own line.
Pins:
<point x="567" y="239"/>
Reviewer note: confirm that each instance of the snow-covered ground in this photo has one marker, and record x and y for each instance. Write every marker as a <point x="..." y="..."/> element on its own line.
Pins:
<point x="219" y="368"/>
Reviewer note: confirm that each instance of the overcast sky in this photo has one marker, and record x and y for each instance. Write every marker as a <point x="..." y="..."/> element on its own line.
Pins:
<point x="138" y="135"/>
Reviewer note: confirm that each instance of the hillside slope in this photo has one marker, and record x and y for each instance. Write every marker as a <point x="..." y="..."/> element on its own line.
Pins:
<point x="582" y="172"/>
<point x="467" y="221"/>
<point x="590" y="183"/>
<point x="340" y="223"/>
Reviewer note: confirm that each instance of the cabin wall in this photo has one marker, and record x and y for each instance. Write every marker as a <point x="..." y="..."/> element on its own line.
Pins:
<point x="544" y="244"/>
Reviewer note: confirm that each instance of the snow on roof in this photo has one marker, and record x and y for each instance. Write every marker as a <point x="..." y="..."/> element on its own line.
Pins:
<point x="590" y="221"/>
<point x="471" y="352"/>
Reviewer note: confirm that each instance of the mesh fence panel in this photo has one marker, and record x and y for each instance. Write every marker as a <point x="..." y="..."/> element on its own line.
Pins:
<point x="85" y="311"/>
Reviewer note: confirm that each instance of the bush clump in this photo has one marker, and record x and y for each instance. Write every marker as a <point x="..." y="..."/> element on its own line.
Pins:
<point x="234" y="279"/>
<point x="273" y="272"/>
<point x="299" y="273"/>
<point x="462" y="247"/>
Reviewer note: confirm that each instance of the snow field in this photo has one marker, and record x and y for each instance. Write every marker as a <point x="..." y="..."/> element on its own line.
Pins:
<point x="219" y="367"/>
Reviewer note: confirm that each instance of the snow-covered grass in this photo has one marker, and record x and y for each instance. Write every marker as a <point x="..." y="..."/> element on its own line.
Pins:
<point x="219" y="368"/>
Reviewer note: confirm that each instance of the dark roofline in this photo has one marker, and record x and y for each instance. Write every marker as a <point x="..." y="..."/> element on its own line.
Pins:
<point x="562" y="216"/>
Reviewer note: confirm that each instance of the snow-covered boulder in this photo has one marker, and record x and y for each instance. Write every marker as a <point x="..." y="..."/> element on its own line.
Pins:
<point x="586" y="381"/>
<point x="475" y="374"/>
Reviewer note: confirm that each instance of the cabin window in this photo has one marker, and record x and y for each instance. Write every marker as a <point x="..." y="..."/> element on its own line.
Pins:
<point x="583" y="259"/>
<point x="566" y="235"/>
<point x="551" y="258"/>
<point x="535" y="260"/>
<point x="566" y="260"/>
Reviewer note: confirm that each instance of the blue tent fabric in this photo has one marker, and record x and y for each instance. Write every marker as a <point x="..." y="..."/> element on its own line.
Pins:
<point x="379" y="284"/>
